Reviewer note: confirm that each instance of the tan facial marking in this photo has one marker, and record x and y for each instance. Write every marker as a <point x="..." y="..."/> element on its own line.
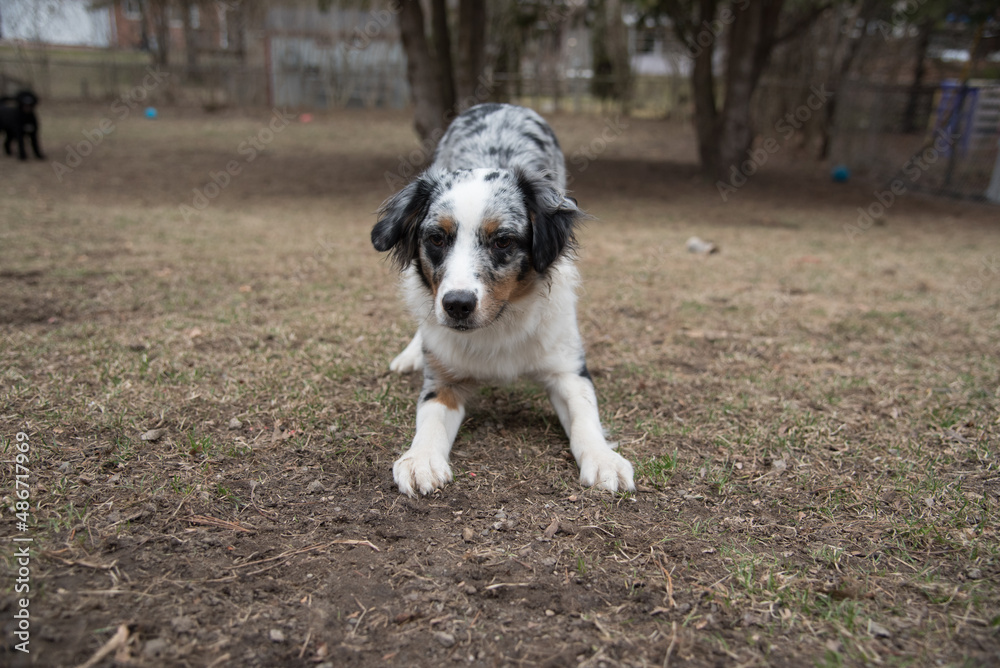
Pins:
<point x="490" y="226"/>
<point x="425" y="269"/>
<point x="447" y="225"/>
<point x="510" y="289"/>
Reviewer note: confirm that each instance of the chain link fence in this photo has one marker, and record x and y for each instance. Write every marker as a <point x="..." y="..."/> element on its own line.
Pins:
<point x="104" y="76"/>
<point x="941" y="138"/>
<point x="306" y="72"/>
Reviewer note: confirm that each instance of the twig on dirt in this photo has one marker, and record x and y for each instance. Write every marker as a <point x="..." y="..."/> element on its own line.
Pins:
<point x="81" y="562"/>
<point x="595" y="620"/>
<point x="181" y="504"/>
<point x="283" y="555"/>
<point x="364" y="611"/>
<point x="220" y="660"/>
<point x="895" y="558"/>
<point x="593" y="660"/>
<point x="291" y="553"/>
<point x="669" y="585"/>
<point x="628" y="558"/>
<point x="302" y="652"/>
<point x="506" y="584"/>
<point x="269" y="514"/>
<point x="257" y="437"/>
<point x="619" y="416"/>
<point x="347" y="541"/>
<point x="437" y="620"/>
<point x="112" y="592"/>
<point x="718" y="582"/>
<point x="670" y="647"/>
<point x="117" y="640"/>
<point x="128" y="518"/>
<point x="597" y="528"/>
<point x="215" y="522"/>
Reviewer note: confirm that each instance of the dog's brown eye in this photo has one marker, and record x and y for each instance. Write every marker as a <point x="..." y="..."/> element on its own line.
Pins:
<point x="436" y="239"/>
<point x="502" y="242"/>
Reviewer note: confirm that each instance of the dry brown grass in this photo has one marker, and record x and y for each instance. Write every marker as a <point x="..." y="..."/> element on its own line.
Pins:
<point x="814" y="421"/>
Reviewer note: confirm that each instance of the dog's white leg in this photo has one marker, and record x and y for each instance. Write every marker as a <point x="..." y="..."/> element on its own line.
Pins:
<point x="412" y="357"/>
<point x="562" y="410"/>
<point x="575" y="402"/>
<point x="424" y="467"/>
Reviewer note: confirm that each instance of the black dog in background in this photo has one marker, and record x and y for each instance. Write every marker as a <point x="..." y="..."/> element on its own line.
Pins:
<point x="18" y="120"/>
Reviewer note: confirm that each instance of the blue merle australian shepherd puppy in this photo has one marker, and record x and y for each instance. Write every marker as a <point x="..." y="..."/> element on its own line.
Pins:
<point x="484" y="239"/>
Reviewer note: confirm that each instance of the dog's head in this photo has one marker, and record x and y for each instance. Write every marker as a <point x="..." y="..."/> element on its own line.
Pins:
<point x="479" y="239"/>
<point x="26" y="100"/>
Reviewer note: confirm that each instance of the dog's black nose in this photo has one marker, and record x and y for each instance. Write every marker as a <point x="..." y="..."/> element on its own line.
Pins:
<point x="459" y="304"/>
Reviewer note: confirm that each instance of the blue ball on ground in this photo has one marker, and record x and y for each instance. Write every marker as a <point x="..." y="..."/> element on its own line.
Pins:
<point x="840" y="174"/>
<point x="151" y="112"/>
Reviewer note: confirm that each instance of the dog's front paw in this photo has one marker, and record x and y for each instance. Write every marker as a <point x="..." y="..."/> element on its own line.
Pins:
<point x="408" y="361"/>
<point x="421" y="473"/>
<point x="608" y="470"/>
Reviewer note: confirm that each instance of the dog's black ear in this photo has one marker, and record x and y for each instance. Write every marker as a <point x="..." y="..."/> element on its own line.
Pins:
<point x="399" y="220"/>
<point x="27" y="99"/>
<point x="553" y="219"/>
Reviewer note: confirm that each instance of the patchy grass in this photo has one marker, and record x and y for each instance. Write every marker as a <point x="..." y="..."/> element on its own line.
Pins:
<point x="813" y="421"/>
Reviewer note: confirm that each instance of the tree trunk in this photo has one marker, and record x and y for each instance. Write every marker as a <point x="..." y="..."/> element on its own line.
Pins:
<point x="442" y="51"/>
<point x="144" y="25"/>
<point x="190" y="37"/>
<point x="471" y="51"/>
<point x="237" y="26"/>
<point x="751" y="39"/>
<point x="913" y="102"/>
<point x="621" y="68"/>
<point x="422" y="73"/>
<point x="703" y="91"/>
<point x="864" y="16"/>
<point x="603" y="84"/>
<point x="725" y="136"/>
<point x="161" y="26"/>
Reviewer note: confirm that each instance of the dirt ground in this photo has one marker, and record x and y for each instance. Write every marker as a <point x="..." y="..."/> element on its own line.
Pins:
<point x="211" y="424"/>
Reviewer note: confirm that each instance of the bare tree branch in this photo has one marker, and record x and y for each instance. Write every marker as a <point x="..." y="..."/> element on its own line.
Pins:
<point x="802" y="23"/>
